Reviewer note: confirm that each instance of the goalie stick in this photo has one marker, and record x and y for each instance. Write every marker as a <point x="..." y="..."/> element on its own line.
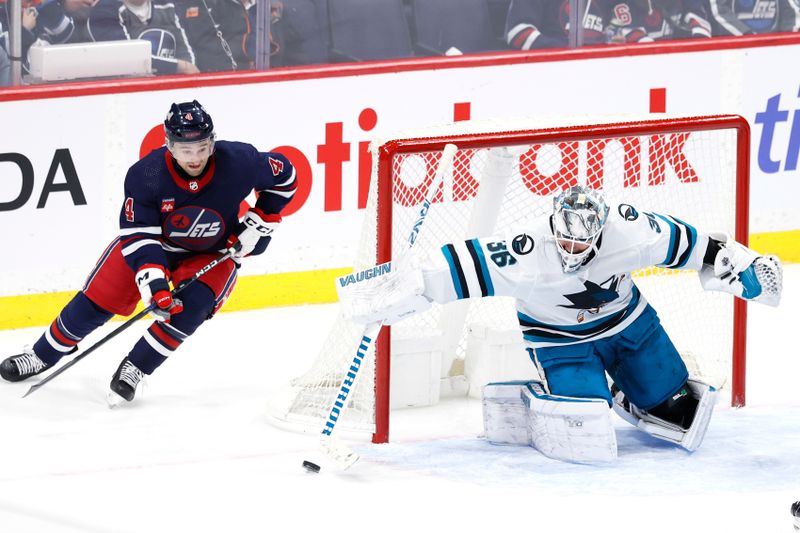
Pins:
<point x="128" y="323"/>
<point x="336" y="451"/>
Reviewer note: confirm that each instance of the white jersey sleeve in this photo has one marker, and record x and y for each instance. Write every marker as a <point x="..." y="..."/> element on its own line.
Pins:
<point x="475" y="268"/>
<point x="645" y="239"/>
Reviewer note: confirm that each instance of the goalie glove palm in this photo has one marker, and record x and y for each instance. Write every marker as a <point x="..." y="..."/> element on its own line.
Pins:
<point x="743" y="273"/>
<point x="382" y="294"/>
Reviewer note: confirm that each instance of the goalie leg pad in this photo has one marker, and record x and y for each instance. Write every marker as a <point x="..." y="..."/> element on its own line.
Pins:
<point x="687" y="434"/>
<point x="569" y="429"/>
<point x="505" y="415"/>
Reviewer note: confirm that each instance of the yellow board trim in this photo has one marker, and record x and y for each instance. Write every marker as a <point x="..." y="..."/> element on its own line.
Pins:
<point x="251" y="292"/>
<point x="784" y="244"/>
<point x="295" y="288"/>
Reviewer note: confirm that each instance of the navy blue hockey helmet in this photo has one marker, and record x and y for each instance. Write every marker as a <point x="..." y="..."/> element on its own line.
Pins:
<point x="188" y="122"/>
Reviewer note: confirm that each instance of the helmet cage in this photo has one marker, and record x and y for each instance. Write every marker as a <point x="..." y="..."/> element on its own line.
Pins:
<point x="579" y="215"/>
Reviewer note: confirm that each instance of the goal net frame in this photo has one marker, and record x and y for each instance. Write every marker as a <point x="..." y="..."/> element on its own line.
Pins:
<point x="609" y="130"/>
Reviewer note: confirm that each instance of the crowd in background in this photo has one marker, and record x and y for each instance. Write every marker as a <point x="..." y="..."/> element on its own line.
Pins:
<point x="190" y="36"/>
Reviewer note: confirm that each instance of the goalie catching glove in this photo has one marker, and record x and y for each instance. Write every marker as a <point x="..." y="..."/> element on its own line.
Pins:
<point x="253" y="234"/>
<point x="742" y="272"/>
<point x="383" y="293"/>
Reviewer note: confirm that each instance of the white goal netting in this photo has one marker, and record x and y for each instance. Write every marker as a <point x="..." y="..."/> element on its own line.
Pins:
<point x="505" y="174"/>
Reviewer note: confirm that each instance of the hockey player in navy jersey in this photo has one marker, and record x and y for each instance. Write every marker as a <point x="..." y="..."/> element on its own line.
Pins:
<point x="180" y="212"/>
<point x="581" y="317"/>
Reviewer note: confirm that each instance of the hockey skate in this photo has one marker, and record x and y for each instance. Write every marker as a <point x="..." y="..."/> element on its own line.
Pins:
<point x="22" y="366"/>
<point x="124" y="383"/>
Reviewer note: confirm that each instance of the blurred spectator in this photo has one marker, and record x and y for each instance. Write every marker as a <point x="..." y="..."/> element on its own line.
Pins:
<point x="64" y="21"/>
<point x="38" y="23"/>
<point x="675" y="19"/>
<point x="221" y="32"/>
<point x="115" y="20"/>
<point x="623" y="22"/>
<point x="748" y="17"/>
<point x="5" y="66"/>
<point x="533" y="24"/>
<point x="498" y="9"/>
<point x="300" y="31"/>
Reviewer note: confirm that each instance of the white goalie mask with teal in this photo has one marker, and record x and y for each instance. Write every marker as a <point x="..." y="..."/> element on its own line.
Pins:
<point x="579" y="215"/>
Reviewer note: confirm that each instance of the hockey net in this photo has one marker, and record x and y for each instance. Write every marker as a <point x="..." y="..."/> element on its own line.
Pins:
<point x="505" y="174"/>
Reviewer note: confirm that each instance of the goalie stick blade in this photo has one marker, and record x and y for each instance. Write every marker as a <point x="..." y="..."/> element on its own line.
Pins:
<point x="338" y="453"/>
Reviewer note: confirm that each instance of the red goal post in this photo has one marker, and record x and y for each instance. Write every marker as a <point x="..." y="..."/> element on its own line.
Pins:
<point x="505" y="173"/>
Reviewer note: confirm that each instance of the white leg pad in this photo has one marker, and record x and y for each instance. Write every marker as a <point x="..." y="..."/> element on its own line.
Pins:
<point x="505" y="415"/>
<point x="708" y="397"/>
<point x="689" y="439"/>
<point x="569" y="429"/>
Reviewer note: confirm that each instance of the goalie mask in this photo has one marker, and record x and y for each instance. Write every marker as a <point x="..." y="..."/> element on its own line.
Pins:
<point x="579" y="214"/>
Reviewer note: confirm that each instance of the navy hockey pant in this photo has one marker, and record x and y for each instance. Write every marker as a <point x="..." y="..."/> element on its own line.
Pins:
<point x="641" y="360"/>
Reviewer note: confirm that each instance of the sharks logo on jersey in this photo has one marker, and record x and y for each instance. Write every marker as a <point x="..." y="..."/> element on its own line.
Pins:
<point x="194" y="228"/>
<point x="594" y="297"/>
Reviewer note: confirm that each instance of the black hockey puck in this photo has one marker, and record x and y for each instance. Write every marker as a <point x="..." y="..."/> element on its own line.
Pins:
<point x="311" y="467"/>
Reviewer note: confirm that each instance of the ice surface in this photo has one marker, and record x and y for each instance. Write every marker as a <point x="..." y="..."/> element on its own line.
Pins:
<point x="194" y="452"/>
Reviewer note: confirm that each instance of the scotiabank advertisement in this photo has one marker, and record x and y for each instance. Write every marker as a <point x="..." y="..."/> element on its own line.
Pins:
<point x="63" y="160"/>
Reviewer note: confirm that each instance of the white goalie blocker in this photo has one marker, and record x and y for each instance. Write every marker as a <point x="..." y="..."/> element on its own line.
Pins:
<point x="387" y="292"/>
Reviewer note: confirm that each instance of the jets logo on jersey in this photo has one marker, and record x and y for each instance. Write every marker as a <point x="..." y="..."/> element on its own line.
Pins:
<point x="167" y="205"/>
<point x="276" y="165"/>
<point x="628" y="212"/>
<point x="162" y="44"/>
<point x="522" y="244"/>
<point x="194" y="228"/>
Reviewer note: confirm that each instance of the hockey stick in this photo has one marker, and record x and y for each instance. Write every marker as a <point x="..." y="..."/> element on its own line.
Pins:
<point x="128" y="323"/>
<point x="339" y="453"/>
